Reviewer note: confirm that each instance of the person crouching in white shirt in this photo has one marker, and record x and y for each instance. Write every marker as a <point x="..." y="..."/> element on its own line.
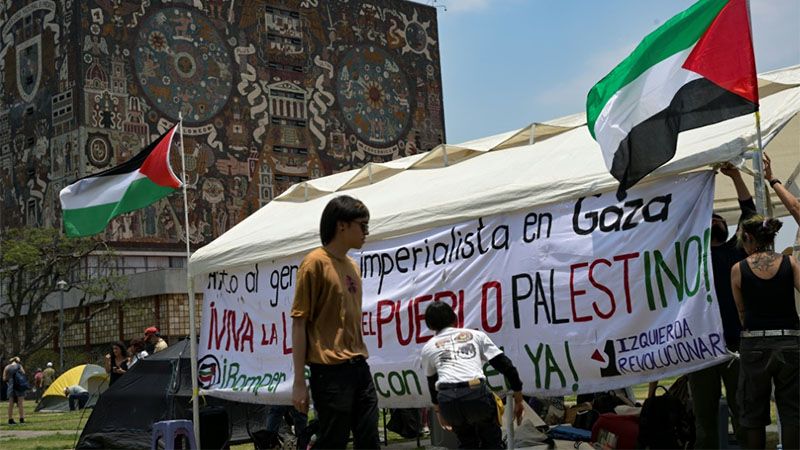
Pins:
<point x="453" y="362"/>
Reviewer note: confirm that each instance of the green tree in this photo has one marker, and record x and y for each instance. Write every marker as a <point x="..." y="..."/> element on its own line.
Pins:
<point x="32" y="261"/>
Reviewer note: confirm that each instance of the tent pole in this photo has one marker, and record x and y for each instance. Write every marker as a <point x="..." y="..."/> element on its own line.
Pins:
<point x="509" y="420"/>
<point x="190" y="292"/>
<point x="758" y="168"/>
<point x="532" y="139"/>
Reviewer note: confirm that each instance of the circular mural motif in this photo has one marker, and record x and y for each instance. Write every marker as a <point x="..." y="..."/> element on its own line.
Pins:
<point x="183" y="65"/>
<point x="416" y="37"/>
<point x="98" y="151"/>
<point x="373" y="94"/>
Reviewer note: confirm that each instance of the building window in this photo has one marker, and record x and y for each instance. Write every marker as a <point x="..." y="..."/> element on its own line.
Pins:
<point x="266" y="192"/>
<point x="177" y="262"/>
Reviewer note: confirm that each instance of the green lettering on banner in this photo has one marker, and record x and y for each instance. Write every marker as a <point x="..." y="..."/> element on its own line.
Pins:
<point x="648" y="286"/>
<point x="397" y="383"/>
<point x="413" y="375"/>
<point x="252" y="383"/>
<point x="384" y="394"/>
<point x="535" y="360"/>
<point x="706" y="246"/>
<point x="677" y="281"/>
<point x="690" y="292"/>
<point x="400" y="390"/>
<point x="571" y="367"/>
<point x="551" y="366"/>
<point x="686" y="285"/>
<point x="233" y="372"/>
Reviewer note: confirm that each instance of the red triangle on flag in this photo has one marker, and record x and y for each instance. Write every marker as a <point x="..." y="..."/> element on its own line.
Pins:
<point x="597" y="356"/>
<point x="724" y="54"/>
<point x="157" y="167"/>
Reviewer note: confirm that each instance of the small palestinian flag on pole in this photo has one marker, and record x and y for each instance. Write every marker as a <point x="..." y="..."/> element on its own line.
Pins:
<point x="696" y="69"/>
<point x="89" y="204"/>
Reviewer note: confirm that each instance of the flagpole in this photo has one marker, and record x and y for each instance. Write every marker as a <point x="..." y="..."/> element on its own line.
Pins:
<point x="758" y="157"/>
<point x="190" y="290"/>
<point x="758" y="168"/>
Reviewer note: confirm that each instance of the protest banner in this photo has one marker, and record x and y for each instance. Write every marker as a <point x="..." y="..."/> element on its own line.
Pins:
<point x="584" y="296"/>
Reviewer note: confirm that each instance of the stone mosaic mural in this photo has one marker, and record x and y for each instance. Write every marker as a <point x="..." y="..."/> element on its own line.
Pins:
<point x="271" y="92"/>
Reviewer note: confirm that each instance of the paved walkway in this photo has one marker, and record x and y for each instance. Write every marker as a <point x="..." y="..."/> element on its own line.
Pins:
<point x="10" y="433"/>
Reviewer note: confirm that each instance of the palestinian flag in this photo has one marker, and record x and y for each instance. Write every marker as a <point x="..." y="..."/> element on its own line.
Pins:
<point x="695" y="70"/>
<point x="89" y="204"/>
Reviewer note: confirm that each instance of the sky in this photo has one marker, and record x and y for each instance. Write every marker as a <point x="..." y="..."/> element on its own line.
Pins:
<point x="508" y="63"/>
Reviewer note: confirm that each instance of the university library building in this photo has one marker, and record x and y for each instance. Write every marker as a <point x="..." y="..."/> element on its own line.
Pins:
<point x="271" y="93"/>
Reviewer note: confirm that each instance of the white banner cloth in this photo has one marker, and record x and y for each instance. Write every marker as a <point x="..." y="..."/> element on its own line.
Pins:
<point x="583" y="296"/>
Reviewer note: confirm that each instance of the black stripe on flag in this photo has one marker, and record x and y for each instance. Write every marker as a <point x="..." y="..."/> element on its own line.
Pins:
<point x="132" y="164"/>
<point x="654" y="141"/>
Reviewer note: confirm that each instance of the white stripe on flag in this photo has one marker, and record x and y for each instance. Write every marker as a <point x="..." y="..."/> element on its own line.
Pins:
<point x="639" y="100"/>
<point x="97" y="191"/>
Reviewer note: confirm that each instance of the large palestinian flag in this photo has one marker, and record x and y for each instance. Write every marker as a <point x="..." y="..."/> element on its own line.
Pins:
<point x="89" y="204"/>
<point x="695" y="70"/>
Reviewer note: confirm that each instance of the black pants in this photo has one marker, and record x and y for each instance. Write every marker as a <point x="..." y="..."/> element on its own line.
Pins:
<point x="81" y="399"/>
<point x="767" y="362"/>
<point x="344" y="399"/>
<point x="472" y="412"/>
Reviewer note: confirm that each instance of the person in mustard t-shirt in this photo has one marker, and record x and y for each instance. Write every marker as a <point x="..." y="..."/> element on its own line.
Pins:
<point x="326" y="332"/>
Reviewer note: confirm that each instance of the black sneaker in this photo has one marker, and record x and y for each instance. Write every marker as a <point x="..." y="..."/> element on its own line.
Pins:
<point x="11" y="422"/>
<point x="21" y="420"/>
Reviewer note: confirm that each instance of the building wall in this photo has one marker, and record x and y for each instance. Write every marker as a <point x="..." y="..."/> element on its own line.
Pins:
<point x="271" y="92"/>
<point x="125" y="320"/>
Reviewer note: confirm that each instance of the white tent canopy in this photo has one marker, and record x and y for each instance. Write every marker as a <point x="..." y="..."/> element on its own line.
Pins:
<point x="536" y="165"/>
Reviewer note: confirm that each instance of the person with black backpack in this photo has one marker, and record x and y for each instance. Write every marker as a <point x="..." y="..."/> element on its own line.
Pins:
<point x="16" y="385"/>
<point x="666" y="421"/>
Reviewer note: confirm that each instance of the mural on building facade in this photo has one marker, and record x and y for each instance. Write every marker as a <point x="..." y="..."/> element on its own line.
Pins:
<point x="271" y="93"/>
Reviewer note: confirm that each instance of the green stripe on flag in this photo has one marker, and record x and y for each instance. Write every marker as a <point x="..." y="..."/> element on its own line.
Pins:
<point x="677" y="34"/>
<point x="92" y="220"/>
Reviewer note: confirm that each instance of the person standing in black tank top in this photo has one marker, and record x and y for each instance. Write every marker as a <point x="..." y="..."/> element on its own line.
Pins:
<point x="763" y="288"/>
<point x="116" y="362"/>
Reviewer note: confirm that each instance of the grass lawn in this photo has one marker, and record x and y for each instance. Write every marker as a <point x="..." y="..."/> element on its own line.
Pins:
<point x="48" y="442"/>
<point x="66" y="421"/>
<point x="64" y="427"/>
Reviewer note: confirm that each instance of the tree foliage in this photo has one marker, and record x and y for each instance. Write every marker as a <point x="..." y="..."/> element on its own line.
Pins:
<point x="32" y="261"/>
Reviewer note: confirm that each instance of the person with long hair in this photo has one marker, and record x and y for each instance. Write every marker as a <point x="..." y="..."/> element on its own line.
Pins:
<point x="116" y="362"/>
<point x="763" y="286"/>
